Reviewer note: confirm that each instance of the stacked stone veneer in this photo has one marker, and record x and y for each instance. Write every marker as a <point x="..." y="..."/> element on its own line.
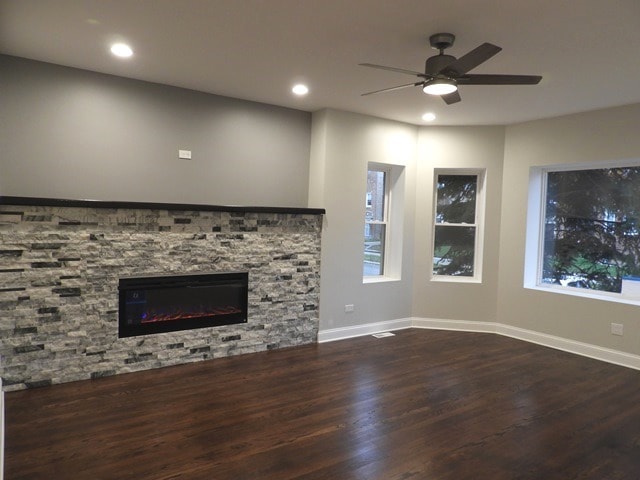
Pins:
<point x="59" y="271"/>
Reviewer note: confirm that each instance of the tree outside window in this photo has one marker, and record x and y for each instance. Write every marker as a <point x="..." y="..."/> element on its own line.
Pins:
<point x="591" y="237"/>
<point x="456" y="225"/>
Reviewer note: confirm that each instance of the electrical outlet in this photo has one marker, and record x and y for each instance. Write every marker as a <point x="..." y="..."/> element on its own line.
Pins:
<point x="617" y="329"/>
<point x="349" y="308"/>
<point x="184" y="154"/>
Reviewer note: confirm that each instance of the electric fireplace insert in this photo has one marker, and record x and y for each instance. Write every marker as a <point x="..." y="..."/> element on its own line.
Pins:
<point x="181" y="302"/>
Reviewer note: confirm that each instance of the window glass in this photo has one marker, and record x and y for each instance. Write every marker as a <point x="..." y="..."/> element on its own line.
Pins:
<point x="456" y="228"/>
<point x="376" y="194"/>
<point x="591" y="235"/>
<point x="456" y="199"/>
<point x="454" y="251"/>
<point x="374" y="250"/>
<point x="375" y="228"/>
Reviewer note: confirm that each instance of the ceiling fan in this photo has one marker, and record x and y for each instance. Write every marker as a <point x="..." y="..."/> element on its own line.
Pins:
<point x="444" y="73"/>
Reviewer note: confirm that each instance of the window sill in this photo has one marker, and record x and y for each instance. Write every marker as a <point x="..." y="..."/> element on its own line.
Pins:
<point x="379" y="279"/>
<point x="452" y="279"/>
<point x="578" y="292"/>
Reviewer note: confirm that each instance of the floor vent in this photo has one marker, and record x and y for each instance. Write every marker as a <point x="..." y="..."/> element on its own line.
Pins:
<point x="383" y="334"/>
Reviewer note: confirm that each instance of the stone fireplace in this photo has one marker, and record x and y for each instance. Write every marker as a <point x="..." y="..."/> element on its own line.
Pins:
<point x="62" y="261"/>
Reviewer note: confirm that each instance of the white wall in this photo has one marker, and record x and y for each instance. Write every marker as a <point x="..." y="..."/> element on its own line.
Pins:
<point x="457" y="147"/>
<point x="610" y="134"/>
<point x="343" y="145"/>
<point x="69" y="133"/>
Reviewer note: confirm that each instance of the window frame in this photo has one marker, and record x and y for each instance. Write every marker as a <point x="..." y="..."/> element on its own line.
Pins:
<point x="478" y="225"/>
<point x="374" y="167"/>
<point x="535" y="228"/>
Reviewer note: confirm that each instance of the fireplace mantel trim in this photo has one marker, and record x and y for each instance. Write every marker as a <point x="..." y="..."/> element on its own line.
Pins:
<point x="64" y="202"/>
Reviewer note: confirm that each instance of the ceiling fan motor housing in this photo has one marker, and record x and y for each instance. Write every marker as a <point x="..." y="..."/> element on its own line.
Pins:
<point x="437" y="63"/>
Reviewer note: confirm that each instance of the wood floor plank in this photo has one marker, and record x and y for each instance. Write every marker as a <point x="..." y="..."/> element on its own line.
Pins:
<point x="423" y="404"/>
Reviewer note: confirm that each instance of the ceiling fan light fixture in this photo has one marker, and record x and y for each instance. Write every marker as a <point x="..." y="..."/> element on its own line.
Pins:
<point x="440" y="86"/>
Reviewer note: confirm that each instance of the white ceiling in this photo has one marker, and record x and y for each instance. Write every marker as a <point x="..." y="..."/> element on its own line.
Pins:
<point x="588" y="51"/>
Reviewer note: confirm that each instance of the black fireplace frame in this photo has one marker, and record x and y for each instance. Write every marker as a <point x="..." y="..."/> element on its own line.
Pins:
<point x="126" y="329"/>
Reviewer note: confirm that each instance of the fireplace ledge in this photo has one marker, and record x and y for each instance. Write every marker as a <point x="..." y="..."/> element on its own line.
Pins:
<point x="64" y="202"/>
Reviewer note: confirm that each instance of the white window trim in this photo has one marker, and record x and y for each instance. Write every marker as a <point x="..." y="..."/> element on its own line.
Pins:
<point x="535" y="228"/>
<point x="394" y="196"/>
<point x="481" y="174"/>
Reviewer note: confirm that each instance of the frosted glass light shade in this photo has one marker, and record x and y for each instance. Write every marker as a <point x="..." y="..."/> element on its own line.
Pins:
<point x="439" y="86"/>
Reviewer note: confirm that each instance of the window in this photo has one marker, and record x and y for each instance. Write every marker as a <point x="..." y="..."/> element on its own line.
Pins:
<point x="589" y="237"/>
<point x="456" y="232"/>
<point x="376" y="221"/>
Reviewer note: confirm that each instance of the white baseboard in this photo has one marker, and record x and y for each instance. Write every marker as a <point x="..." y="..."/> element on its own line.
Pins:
<point x="572" y="346"/>
<point x="343" y="333"/>
<point x="461" y="325"/>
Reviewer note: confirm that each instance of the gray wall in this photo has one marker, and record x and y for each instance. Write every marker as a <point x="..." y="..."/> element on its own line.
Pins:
<point x="69" y="133"/>
<point x="457" y="147"/>
<point x="344" y="142"/>
<point x="343" y="145"/>
<point x="605" y="135"/>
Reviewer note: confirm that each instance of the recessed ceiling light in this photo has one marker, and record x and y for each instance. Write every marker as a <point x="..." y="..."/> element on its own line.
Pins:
<point x="429" y="117"/>
<point x="121" y="50"/>
<point x="300" y="89"/>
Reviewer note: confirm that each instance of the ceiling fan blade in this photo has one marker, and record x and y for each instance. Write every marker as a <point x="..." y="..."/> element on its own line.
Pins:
<point x="499" y="80"/>
<point x="471" y="60"/>
<point x="393" y="69"/>
<point x="453" y="97"/>
<point x="392" y="88"/>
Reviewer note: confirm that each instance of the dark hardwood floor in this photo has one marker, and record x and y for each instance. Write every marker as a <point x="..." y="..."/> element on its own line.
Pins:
<point x="421" y="405"/>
